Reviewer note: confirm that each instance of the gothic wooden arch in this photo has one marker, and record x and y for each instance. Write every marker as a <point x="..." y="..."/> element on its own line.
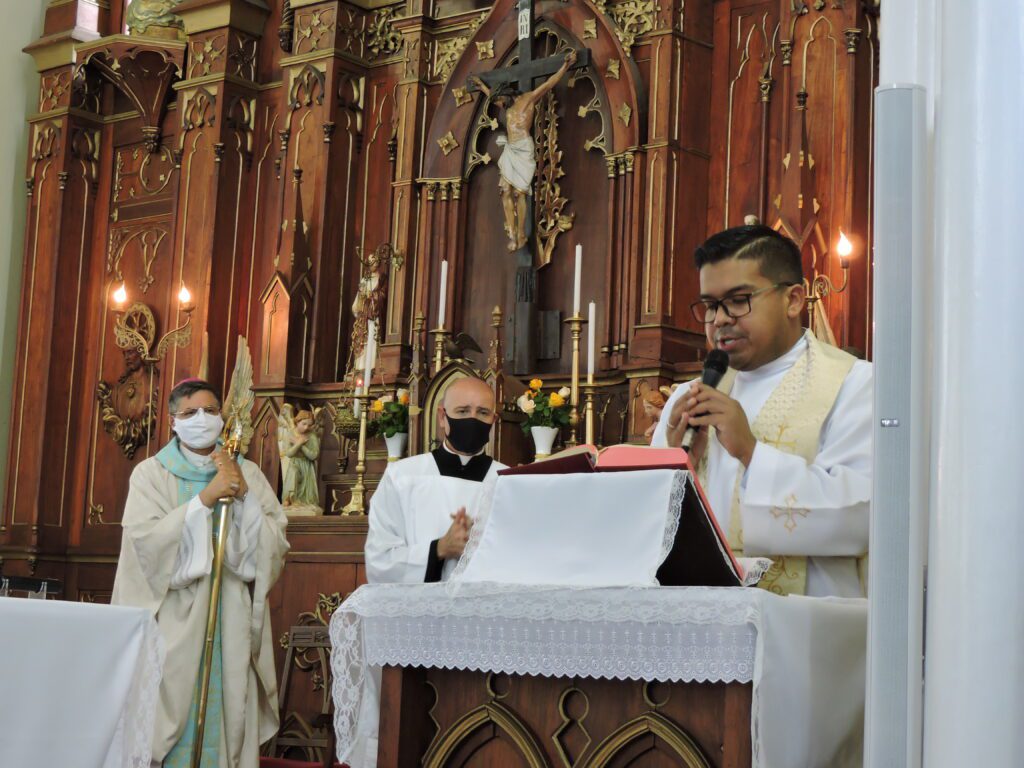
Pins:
<point x="494" y="713"/>
<point x="680" y="742"/>
<point x="621" y="85"/>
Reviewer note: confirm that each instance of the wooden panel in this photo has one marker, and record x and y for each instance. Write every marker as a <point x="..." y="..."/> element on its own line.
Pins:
<point x="446" y="718"/>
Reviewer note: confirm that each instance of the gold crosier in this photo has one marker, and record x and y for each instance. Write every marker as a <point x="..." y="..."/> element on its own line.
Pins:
<point x="232" y="446"/>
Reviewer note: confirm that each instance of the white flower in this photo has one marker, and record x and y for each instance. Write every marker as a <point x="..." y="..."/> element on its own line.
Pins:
<point x="402" y="393"/>
<point x="526" y="405"/>
<point x="387" y="398"/>
<point x="564" y="393"/>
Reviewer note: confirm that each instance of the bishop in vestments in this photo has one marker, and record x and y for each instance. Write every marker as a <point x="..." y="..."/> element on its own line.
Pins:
<point x="419" y="520"/>
<point x="784" y="447"/>
<point x="165" y="565"/>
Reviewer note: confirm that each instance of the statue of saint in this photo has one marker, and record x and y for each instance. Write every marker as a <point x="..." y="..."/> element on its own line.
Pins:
<point x="298" y="442"/>
<point x="517" y="161"/>
<point x="370" y="299"/>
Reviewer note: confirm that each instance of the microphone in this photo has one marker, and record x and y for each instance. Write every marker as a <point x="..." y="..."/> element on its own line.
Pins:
<point x="715" y="366"/>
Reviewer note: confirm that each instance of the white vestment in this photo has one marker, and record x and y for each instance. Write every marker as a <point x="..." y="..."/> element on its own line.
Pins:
<point x="410" y="510"/>
<point x="165" y="563"/>
<point x="836" y="487"/>
<point x="517" y="162"/>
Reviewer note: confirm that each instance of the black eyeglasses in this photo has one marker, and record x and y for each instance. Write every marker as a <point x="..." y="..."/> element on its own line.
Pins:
<point x="213" y="410"/>
<point x="735" y="305"/>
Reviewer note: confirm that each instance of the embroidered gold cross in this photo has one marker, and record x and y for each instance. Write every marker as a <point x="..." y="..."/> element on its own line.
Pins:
<point x="790" y="512"/>
<point x="778" y="442"/>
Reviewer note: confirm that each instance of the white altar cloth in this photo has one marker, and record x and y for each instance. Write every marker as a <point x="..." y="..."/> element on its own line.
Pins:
<point x="80" y="684"/>
<point x="804" y="656"/>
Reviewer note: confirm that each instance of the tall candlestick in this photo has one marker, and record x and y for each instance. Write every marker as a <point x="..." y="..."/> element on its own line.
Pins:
<point x="577" y="280"/>
<point x="443" y="301"/>
<point x="371" y="354"/>
<point x="591" y="325"/>
<point x="369" y="357"/>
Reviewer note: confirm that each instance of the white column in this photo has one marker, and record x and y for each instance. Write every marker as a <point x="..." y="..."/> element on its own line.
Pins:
<point x="974" y="674"/>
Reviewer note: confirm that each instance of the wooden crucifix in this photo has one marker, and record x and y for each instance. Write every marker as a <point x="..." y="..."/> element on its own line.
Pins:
<point x="512" y="90"/>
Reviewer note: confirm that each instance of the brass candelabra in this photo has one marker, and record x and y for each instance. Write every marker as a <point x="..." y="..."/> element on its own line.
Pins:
<point x="440" y="334"/>
<point x="357" y="504"/>
<point x="575" y="323"/>
<point x="588" y="408"/>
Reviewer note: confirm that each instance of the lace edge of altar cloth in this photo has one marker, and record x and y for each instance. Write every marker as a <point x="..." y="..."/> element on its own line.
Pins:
<point x="693" y="634"/>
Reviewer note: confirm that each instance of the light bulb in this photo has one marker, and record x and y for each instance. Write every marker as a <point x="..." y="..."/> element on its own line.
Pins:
<point x="184" y="296"/>
<point x="845" y="247"/>
<point x="120" y="295"/>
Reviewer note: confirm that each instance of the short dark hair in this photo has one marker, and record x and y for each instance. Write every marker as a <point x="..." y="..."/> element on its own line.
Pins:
<point x="187" y="388"/>
<point x="777" y="255"/>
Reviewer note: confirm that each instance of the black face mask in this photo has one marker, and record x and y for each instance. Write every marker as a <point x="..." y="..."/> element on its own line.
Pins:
<point x="468" y="435"/>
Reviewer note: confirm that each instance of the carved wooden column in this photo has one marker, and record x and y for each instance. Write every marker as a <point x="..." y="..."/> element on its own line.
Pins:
<point x="214" y="153"/>
<point x="321" y="138"/>
<point x="676" y="159"/>
<point x="61" y="182"/>
<point x="411" y="286"/>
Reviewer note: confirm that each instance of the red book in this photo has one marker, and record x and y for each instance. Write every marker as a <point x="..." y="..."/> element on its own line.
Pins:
<point x="700" y="555"/>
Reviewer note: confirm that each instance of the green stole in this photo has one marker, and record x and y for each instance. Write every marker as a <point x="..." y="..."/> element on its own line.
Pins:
<point x="191" y="480"/>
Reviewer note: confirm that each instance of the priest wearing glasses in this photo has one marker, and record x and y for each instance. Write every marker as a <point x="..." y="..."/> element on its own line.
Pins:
<point x="165" y="565"/>
<point x="783" y="447"/>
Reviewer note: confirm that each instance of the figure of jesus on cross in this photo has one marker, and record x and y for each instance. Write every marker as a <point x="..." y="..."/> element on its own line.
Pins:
<point x="517" y="162"/>
<point x="513" y="92"/>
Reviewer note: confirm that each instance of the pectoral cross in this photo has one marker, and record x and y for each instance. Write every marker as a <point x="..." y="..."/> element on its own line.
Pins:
<point x="517" y="203"/>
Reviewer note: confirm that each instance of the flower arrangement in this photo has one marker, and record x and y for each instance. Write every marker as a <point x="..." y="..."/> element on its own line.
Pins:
<point x="544" y="409"/>
<point x="392" y="413"/>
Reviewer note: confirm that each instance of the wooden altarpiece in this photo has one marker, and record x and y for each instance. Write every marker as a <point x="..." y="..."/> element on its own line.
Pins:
<point x="252" y="150"/>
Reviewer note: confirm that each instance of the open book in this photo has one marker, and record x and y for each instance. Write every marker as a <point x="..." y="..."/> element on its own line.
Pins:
<point x="700" y="555"/>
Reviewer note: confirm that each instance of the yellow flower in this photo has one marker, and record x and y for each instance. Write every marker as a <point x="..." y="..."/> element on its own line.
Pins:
<point x="556" y="400"/>
<point x="536" y="384"/>
<point x="378" y="406"/>
<point x="403" y="399"/>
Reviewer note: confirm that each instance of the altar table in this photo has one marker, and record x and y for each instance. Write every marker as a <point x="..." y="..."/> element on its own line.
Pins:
<point x="791" y="667"/>
<point x="79" y="682"/>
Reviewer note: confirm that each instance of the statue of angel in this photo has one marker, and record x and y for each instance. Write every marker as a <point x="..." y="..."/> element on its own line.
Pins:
<point x="298" y="441"/>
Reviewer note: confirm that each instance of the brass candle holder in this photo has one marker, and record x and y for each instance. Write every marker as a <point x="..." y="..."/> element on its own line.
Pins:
<point x="357" y="504"/>
<point x="575" y="323"/>
<point x="588" y="409"/>
<point x="440" y="334"/>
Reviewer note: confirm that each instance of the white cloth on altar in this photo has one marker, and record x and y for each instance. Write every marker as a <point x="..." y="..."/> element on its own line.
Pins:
<point x="80" y="683"/>
<point x="836" y="486"/>
<point x="413" y="506"/>
<point x="610" y="529"/>
<point x="517" y="162"/>
<point x="805" y="657"/>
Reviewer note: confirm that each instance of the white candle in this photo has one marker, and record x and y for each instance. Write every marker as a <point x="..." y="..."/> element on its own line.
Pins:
<point x="443" y="301"/>
<point x="591" y="330"/>
<point x="576" y="282"/>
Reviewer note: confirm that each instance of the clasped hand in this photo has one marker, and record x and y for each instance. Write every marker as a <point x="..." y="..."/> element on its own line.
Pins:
<point x="702" y="407"/>
<point x="453" y="543"/>
<point x="227" y="483"/>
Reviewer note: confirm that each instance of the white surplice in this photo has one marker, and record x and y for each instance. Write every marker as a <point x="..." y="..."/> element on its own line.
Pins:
<point x="411" y="508"/>
<point x="836" y="486"/>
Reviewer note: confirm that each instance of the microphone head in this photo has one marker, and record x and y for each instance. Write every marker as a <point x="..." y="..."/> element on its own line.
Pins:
<point x="715" y="366"/>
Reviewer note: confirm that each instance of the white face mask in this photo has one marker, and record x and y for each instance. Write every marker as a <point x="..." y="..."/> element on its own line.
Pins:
<point x="199" y="431"/>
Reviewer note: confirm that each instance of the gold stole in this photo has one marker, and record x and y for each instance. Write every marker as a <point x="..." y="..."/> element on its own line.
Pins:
<point x="791" y="421"/>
